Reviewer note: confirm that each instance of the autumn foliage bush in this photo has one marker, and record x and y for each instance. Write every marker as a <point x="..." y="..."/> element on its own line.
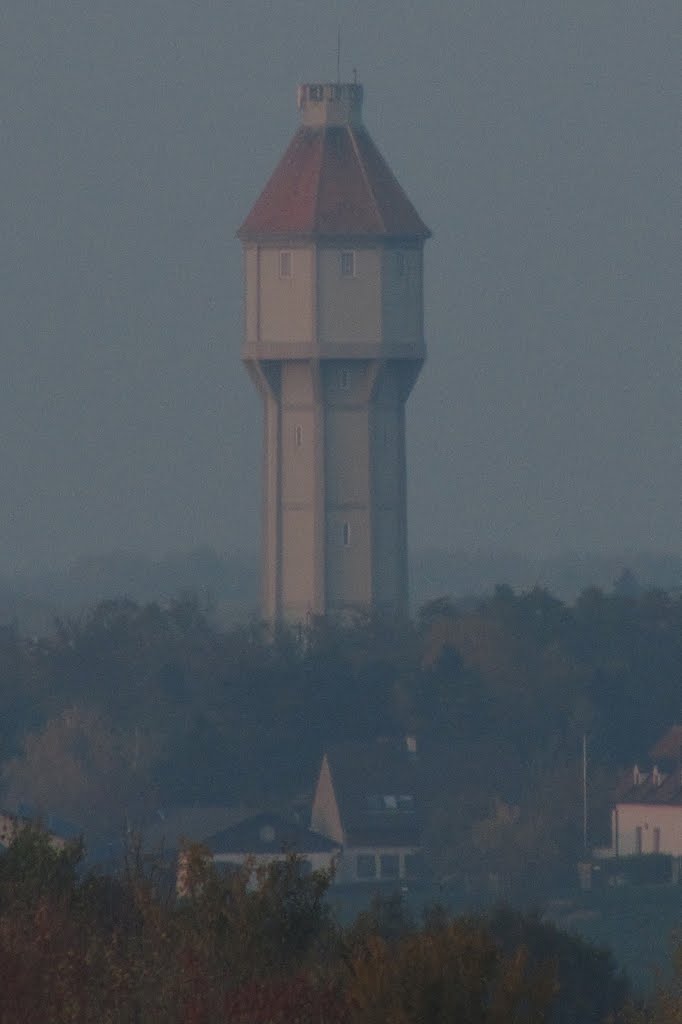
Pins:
<point x="258" y="946"/>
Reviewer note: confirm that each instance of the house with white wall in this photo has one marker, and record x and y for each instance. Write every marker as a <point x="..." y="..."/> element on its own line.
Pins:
<point x="368" y="801"/>
<point x="647" y="813"/>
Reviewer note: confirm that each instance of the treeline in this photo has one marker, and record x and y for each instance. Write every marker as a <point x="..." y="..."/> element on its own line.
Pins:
<point x="260" y="946"/>
<point x="133" y="708"/>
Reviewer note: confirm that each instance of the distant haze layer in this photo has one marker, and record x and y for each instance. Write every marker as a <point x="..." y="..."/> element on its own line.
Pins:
<point x="540" y="142"/>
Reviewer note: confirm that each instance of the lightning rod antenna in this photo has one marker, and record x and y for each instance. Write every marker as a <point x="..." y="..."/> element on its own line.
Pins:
<point x="338" y="56"/>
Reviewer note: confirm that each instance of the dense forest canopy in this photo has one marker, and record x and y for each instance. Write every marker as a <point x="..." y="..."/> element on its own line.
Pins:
<point x="135" y="707"/>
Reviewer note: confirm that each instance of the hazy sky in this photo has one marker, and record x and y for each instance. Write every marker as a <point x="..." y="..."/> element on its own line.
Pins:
<point x="540" y="140"/>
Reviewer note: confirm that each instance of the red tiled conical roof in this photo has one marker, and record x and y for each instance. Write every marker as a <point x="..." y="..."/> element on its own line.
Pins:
<point x="333" y="181"/>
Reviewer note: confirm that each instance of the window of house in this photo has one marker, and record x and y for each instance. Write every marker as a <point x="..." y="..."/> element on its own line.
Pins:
<point x="286" y="263"/>
<point x="657" y="840"/>
<point x="638" y="839"/>
<point x="348" y="263"/>
<point x="400" y="263"/>
<point x="344" y="379"/>
<point x="345" y="535"/>
<point x="298" y="435"/>
<point x="390" y="865"/>
<point x="366" y="865"/>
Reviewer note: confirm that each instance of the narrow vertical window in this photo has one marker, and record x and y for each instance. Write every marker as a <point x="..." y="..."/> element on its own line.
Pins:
<point x="348" y="263"/>
<point x="638" y="839"/>
<point x="345" y="534"/>
<point x="286" y="263"/>
<point x="400" y="263"/>
<point x="344" y="380"/>
<point x="298" y="435"/>
<point x="657" y="840"/>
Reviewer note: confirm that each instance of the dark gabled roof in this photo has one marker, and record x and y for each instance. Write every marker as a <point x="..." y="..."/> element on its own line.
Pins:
<point x="648" y="791"/>
<point x="333" y="181"/>
<point x="191" y="824"/>
<point x="268" y="833"/>
<point x="363" y="776"/>
<point x="660" y="780"/>
<point x="669" y="746"/>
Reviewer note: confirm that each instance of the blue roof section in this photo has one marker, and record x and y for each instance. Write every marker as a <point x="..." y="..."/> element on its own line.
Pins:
<point x="269" y="834"/>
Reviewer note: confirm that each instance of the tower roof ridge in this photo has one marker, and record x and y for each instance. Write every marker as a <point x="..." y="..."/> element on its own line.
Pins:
<point x="363" y="169"/>
<point x="333" y="181"/>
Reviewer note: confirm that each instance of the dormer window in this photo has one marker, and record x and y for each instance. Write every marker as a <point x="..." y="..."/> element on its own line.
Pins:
<point x="390" y="803"/>
<point x="286" y="263"/>
<point x="347" y="263"/>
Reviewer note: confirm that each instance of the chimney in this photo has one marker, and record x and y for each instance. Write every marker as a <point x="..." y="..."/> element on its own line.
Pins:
<point x="326" y="104"/>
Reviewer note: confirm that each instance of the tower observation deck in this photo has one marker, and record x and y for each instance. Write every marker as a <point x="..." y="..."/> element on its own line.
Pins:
<point x="334" y="341"/>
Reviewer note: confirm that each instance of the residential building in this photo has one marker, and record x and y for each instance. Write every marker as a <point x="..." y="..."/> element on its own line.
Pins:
<point x="264" y="838"/>
<point x="647" y="812"/>
<point x="368" y="801"/>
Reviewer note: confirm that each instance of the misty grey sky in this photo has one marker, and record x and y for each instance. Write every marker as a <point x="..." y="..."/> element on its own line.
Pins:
<point x="540" y="140"/>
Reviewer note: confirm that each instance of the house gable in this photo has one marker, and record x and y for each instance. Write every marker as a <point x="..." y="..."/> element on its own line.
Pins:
<point x="368" y="798"/>
<point x="326" y="817"/>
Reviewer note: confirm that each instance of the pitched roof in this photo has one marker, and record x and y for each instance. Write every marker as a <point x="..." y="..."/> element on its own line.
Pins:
<point x="269" y="834"/>
<point x="378" y="791"/>
<point x="669" y="745"/>
<point x="664" y="789"/>
<point x="333" y="181"/>
<point x="193" y="824"/>
<point x="660" y="780"/>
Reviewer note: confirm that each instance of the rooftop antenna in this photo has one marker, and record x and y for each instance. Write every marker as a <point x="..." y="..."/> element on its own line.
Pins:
<point x="338" y="56"/>
<point x="585" y="791"/>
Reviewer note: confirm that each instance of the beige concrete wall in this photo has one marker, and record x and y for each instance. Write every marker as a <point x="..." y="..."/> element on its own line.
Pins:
<point x="297" y="555"/>
<point x="298" y="443"/>
<point x="285" y="310"/>
<point x="387" y="558"/>
<point x="387" y="460"/>
<point x="297" y="383"/>
<point x="347" y="456"/>
<point x="348" y="567"/>
<point x="401" y="296"/>
<point x="251" y="294"/>
<point x="270" y="543"/>
<point x="349" y="308"/>
<point x="334" y="422"/>
<point x="299" y="478"/>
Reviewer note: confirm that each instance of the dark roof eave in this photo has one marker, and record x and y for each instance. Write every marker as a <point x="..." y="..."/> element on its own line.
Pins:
<point x="347" y="238"/>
